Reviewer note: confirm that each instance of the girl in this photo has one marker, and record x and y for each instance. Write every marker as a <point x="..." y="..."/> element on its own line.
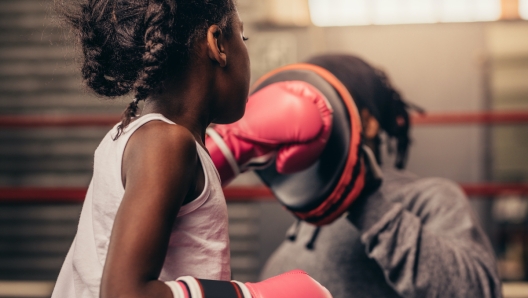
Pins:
<point x="154" y="210"/>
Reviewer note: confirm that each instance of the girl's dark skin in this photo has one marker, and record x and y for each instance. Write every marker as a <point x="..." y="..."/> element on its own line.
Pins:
<point x="161" y="170"/>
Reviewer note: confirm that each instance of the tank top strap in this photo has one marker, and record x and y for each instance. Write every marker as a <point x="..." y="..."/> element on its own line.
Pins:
<point x="137" y="123"/>
<point x="122" y="141"/>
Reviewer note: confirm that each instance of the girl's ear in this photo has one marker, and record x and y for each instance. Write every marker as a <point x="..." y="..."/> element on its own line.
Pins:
<point x="215" y="45"/>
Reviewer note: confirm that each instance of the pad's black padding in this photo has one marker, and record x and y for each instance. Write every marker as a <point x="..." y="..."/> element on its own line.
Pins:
<point x="306" y="190"/>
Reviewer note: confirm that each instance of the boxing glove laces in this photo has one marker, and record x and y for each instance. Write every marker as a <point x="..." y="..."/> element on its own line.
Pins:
<point x="292" y="284"/>
<point x="287" y="121"/>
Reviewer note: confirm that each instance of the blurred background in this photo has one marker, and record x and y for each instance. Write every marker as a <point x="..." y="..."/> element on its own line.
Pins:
<point x="464" y="61"/>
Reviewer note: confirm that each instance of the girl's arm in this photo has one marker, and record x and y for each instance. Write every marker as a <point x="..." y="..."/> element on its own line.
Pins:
<point x="159" y="165"/>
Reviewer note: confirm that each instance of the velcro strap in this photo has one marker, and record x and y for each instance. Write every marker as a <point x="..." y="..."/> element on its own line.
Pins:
<point x="228" y="155"/>
<point x="243" y="289"/>
<point x="205" y="288"/>
<point x="193" y="285"/>
<point x="220" y="289"/>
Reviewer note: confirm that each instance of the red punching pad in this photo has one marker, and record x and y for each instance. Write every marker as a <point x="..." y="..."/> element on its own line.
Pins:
<point x="324" y="191"/>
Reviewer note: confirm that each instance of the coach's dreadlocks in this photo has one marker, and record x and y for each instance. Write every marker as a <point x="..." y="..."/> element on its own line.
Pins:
<point x="371" y="89"/>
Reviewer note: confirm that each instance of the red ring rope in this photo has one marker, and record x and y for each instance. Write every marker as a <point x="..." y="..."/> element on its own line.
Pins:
<point x="436" y="118"/>
<point x="233" y="194"/>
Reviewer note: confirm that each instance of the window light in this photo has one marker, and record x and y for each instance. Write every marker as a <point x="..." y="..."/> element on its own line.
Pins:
<point x="523" y="9"/>
<point x="364" y="12"/>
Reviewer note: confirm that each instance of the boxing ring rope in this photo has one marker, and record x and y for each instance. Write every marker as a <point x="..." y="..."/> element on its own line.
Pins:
<point x="35" y="195"/>
<point x="456" y="118"/>
<point x="482" y="118"/>
<point x="77" y="194"/>
<point x="47" y="121"/>
<point x="245" y="194"/>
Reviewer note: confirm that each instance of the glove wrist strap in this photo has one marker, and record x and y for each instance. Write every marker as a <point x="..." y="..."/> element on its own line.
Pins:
<point x="190" y="287"/>
<point x="178" y="289"/>
<point x="245" y="291"/>
<point x="228" y="155"/>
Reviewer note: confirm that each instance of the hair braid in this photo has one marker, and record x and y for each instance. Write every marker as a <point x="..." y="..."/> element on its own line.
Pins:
<point x="159" y="21"/>
<point x="134" y="45"/>
<point x="398" y="119"/>
<point x="95" y="59"/>
<point x="158" y="39"/>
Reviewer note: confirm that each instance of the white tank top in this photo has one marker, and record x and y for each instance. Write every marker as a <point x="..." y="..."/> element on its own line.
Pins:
<point x="199" y="243"/>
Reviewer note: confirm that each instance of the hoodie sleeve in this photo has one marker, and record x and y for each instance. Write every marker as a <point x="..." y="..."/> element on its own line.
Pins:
<point x="428" y="244"/>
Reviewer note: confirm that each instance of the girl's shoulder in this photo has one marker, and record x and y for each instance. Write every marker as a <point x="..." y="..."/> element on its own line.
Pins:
<point x="158" y="144"/>
<point x="164" y="138"/>
<point x="163" y="129"/>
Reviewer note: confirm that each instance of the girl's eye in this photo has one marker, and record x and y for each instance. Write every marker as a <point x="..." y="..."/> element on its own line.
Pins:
<point x="245" y="38"/>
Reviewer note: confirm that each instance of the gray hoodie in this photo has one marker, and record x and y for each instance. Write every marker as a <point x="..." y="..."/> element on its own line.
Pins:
<point x="411" y="238"/>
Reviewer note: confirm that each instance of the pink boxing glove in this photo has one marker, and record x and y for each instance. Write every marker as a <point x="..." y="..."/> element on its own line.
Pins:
<point x="292" y="284"/>
<point x="290" y="121"/>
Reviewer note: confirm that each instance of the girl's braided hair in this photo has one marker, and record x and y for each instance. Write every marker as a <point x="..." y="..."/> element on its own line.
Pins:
<point x="133" y="45"/>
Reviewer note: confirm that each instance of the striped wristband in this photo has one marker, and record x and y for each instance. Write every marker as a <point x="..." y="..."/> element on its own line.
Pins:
<point x="178" y="289"/>
<point x="190" y="287"/>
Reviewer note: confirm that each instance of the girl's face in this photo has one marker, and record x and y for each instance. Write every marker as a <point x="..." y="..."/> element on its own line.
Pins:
<point x="234" y="87"/>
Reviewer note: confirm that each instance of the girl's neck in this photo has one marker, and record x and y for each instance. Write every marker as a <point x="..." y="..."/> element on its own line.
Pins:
<point x="186" y="104"/>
